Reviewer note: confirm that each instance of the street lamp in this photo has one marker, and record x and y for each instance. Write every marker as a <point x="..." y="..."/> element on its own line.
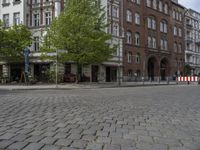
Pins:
<point x="56" y="68"/>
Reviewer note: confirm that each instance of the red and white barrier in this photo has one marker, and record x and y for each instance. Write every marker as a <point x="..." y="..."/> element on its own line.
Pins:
<point x="188" y="78"/>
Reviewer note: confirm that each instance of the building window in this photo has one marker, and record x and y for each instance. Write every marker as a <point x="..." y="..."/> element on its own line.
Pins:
<point x="166" y="9"/>
<point x="148" y="3"/>
<point x="151" y="23"/>
<point x="16" y="1"/>
<point x="179" y="32"/>
<point x="36" y="19"/>
<point x="115" y="12"/>
<point x="137" y="39"/>
<point x="154" y="4"/>
<point x="175" y="30"/>
<point x="174" y="14"/>
<point x="138" y="58"/>
<point x="16" y="18"/>
<point x="163" y="44"/>
<point x="175" y="47"/>
<point x="129" y="37"/>
<point x="154" y="42"/>
<point x="160" y="6"/>
<point x="163" y="26"/>
<point x="35" y="1"/>
<point x="129" y="16"/>
<point x="180" y="16"/>
<point x="115" y="29"/>
<point x="6" y="20"/>
<point x="36" y="44"/>
<point x="130" y="73"/>
<point x="129" y="57"/>
<point x="5" y="2"/>
<point x="151" y="42"/>
<point x="137" y="2"/>
<point x="177" y="15"/>
<point x="180" y="48"/>
<point x="137" y="18"/>
<point x="48" y="18"/>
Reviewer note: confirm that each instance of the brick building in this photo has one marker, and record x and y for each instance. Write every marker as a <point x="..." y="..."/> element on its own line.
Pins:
<point x="149" y="44"/>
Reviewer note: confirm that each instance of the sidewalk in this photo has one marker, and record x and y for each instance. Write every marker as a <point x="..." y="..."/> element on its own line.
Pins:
<point x="81" y="85"/>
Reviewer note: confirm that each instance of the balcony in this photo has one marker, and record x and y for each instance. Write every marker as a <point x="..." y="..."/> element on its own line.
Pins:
<point x="197" y="41"/>
<point x="189" y="25"/>
<point x="189" y="52"/>
<point x="47" y="3"/>
<point x="189" y="39"/>
<point x="35" y="5"/>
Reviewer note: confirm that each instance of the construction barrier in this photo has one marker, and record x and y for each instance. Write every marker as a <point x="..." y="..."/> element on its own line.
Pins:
<point x="188" y="79"/>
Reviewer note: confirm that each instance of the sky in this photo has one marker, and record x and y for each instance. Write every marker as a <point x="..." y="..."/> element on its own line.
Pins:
<point x="193" y="4"/>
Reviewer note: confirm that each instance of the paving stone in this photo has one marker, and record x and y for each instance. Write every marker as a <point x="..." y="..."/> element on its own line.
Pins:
<point x="5" y="143"/>
<point x="21" y="137"/>
<point x="74" y="136"/>
<point x="80" y="144"/>
<point x="94" y="146"/>
<point x="63" y="142"/>
<point x="34" y="146"/>
<point x="18" y="145"/>
<point x="111" y="147"/>
<point x="88" y="138"/>
<point x="34" y="138"/>
<point x="7" y="136"/>
<point x="51" y="147"/>
<point x="48" y="140"/>
<point x="60" y="135"/>
<point x="145" y="118"/>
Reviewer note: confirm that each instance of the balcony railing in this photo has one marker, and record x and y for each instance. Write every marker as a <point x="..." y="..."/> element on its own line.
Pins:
<point x="189" y="25"/>
<point x="197" y="41"/>
<point x="189" y="39"/>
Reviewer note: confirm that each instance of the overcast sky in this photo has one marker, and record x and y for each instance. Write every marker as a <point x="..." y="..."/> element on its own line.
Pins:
<point x="193" y="4"/>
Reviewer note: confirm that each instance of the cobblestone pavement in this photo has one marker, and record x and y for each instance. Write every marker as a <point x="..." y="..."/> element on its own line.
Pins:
<point x="142" y="118"/>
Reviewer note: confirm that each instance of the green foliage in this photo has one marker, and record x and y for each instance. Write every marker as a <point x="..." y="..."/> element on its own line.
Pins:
<point x="187" y="70"/>
<point x="80" y="32"/>
<point x="13" y="41"/>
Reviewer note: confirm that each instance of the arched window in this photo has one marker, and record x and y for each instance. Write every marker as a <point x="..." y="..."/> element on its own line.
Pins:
<point x="138" y="58"/>
<point x="129" y="16"/>
<point x="129" y="37"/>
<point x="175" y="30"/>
<point x="151" y="22"/>
<point x="163" y="26"/>
<point x="137" y="18"/>
<point x="137" y="39"/>
<point x="129" y="57"/>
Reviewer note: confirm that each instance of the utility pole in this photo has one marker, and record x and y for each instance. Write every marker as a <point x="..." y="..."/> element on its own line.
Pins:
<point x="56" y="68"/>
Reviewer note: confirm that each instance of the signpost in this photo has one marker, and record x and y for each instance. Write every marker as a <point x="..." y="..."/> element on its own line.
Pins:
<point x="26" y="64"/>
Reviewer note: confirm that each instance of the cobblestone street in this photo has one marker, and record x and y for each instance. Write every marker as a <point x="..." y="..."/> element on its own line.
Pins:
<point x="141" y="118"/>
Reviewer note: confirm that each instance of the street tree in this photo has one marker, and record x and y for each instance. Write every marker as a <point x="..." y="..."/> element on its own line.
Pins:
<point x="80" y="32"/>
<point x="13" y="42"/>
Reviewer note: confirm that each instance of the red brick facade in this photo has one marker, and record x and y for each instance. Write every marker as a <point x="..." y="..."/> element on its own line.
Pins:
<point x="149" y="58"/>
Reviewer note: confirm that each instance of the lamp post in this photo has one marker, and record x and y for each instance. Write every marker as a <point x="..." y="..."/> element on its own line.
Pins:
<point x="56" y="68"/>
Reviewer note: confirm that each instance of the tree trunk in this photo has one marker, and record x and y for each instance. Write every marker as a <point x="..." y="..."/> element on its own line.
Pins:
<point x="77" y="74"/>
